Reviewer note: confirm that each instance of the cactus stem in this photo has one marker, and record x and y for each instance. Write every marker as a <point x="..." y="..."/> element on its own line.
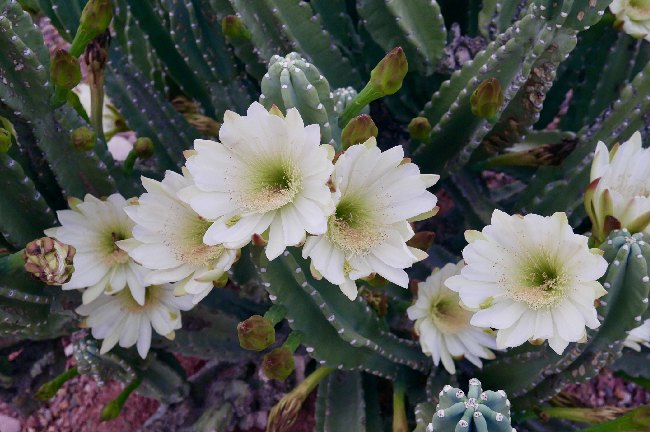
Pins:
<point x="114" y="407"/>
<point x="293" y="341"/>
<point x="275" y="314"/>
<point x="49" y="389"/>
<point x="400" y="423"/>
<point x="365" y="96"/>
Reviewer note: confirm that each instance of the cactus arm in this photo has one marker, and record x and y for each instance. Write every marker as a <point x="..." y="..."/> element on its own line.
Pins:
<point x="320" y="337"/>
<point x="24" y="214"/>
<point x="341" y="398"/>
<point x="148" y="113"/>
<point x="23" y="26"/>
<point x="417" y="26"/>
<point x="166" y="50"/>
<point x="355" y="322"/>
<point x="315" y="42"/>
<point x="335" y="17"/>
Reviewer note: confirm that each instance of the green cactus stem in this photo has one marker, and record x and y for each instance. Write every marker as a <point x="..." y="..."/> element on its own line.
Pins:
<point x="49" y="389"/>
<point x="113" y="409"/>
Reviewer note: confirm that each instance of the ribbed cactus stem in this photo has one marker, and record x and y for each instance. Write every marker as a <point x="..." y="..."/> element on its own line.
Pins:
<point x="114" y="407"/>
<point x="49" y="389"/>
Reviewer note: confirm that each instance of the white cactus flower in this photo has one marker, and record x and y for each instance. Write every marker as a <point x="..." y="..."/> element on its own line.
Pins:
<point x="639" y="336"/>
<point x="120" y="319"/>
<point x="531" y="277"/>
<point x="619" y="189"/>
<point x="267" y="173"/>
<point x="94" y="227"/>
<point x="444" y="326"/>
<point x="633" y="16"/>
<point x="168" y="239"/>
<point x="376" y="193"/>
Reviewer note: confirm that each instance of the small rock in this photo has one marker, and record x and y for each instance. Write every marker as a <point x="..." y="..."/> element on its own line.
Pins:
<point x="9" y="424"/>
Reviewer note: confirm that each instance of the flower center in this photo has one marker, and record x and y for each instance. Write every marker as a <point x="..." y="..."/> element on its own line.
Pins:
<point x="447" y="315"/>
<point x="115" y="255"/>
<point x="351" y="228"/>
<point x="152" y="298"/>
<point x="274" y="186"/>
<point x="186" y="241"/>
<point x="541" y="284"/>
<point x="638" y="10"/>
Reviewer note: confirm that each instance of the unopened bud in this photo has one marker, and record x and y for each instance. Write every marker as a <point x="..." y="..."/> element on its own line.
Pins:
<point x="232" y="26"/>
<point x="96" y="17"/>
<point x="487" y="99"/>
<point x="204" y="124"/>
<point x="65" y="70"/>
<point x="49" y="260"/>
<point x="5" y="140"/>
<point x="83" y="139"/>
<point x="358" y="130"/>
<point x="184" y="105"/>
<point x="389" y="73"/>
<point x="419" y="128"/>
<point x="143" y="148"/>
<point x="256" y="333"/>
<point x="278" y="364"/>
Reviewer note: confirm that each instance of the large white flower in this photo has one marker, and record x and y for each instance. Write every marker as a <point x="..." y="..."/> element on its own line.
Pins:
<point x="639" y="336"/>
<point x="376" y="194"/>
<point x="620" y="188"/>
<point x="633" y="16"/>
<point x="532" y="278"/>
<point x="267" y="172"/>
<point x="443" y="325"/>
<point x="168" y="239"/>
<point x="94" y="227"/>
<point x="119" y="318"/>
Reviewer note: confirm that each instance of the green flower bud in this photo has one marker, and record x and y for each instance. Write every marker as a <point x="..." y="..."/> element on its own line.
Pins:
<point x="204" y="124"/>
<point x="49" y="260"/>
<point x="83" y="139"/>
<point x="278" y="364"/>
<point x="358" y="130"/>
<point x="389" y="73"/>
<point x="65" y="70"/>
<point x="419" y="128"/>
<point x="232" y="26"/>
<point x="143" y="148"/>
<point x="96" y="17"/>
<point x="5" y="140"/>
<point x="487" y="99"/>
<point x="256" y="333"/>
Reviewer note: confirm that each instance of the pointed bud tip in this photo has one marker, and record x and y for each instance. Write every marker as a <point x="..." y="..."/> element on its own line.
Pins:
<point x="387" y="76"/>
<point x="143" y="147"/>
<point x="419" y="128"/>
<point x="96" y="17"/>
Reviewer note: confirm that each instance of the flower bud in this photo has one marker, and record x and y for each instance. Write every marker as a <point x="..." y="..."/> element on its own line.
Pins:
<point x="204" y="124"/>
<point x="96" y="17"/>
<point x="65" y="70"/>
<point x="83" y="139"/>
<point x="487" y="99"/>
<point x="5" y="140"/>
<point x="256" y="333"/>
<point x="143" y="148"/>
<point x="278" y="364"/>
<point x="419" y="128"/>
<point x="389" y="73"/>
<point x="358" y="130"/>
<point x="49" y="260"/>
<point x="232" y="26"/>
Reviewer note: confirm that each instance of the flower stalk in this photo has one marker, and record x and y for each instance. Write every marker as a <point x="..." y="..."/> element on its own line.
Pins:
<point x="113" y="408"/>
<point x="49" y="389"/>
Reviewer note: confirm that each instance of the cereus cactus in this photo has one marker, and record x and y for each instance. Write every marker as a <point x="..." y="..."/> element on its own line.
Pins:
<point x="480" y="411"/>
<point x="293" y="82"/>
<point x="295" y="235"/>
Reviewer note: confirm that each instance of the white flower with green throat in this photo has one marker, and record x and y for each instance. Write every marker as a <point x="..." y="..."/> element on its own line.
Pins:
<point x="376" y="195"/>
<point x="168" y="239"/>
<point x="94" y="227"/>
<point x="531" y="278"/>
<point x="619" y="193"/>
<point x="633" y="16"/>
<point x="444" y="325"/>
<point x="119" y="318"/>
<point x="268" y="173"/>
